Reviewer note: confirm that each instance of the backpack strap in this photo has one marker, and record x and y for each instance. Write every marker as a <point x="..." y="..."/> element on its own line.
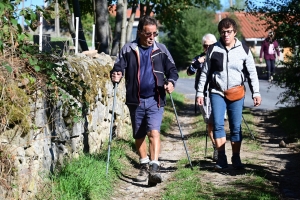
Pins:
<point x="209" y="50"/>
<point x="245" y="71"/>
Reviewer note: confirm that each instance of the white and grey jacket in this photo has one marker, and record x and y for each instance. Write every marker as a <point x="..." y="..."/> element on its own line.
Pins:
<point x="224" y="69"/>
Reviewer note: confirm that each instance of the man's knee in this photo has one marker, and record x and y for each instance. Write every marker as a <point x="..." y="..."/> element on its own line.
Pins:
<point x="153" y="134"/>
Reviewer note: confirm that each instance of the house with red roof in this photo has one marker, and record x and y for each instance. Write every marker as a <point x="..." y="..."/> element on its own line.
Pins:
<point x="253" y="29"/>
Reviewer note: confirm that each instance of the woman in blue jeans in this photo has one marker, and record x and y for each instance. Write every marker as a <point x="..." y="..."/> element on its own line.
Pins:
<point x="226" y="62"/>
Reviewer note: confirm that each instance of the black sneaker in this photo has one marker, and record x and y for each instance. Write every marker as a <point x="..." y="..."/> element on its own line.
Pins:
<point x="154" y="175"/>
<point x="221" y="162"/>
<point x="143" y="173"/>
<point x="236" y="162"/>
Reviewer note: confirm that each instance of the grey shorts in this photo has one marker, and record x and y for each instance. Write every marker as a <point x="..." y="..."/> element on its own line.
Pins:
<point x="145" y="117"/>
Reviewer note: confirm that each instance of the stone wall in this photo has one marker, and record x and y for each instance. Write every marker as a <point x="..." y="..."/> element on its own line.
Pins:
<point x="53" y="139"/>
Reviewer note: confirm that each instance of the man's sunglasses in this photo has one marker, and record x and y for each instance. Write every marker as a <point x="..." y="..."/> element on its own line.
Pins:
<point x="150" y="34"/>
<point x="205" y="46"/>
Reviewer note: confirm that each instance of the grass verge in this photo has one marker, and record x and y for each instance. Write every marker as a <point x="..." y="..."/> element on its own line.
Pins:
<point x="85" y="177"/>
<point x="288" y="119"/>
<point x="194" y="184"/>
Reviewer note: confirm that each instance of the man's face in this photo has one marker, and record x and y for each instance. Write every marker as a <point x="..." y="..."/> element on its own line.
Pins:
<point x="147" y="35"/>
<point x="227" y="35"/>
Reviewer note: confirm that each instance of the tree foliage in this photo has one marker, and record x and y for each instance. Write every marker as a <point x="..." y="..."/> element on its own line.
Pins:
<point x="171" y="12"/>
<point x="283" y="16"/>
<point x="185" y="40"/>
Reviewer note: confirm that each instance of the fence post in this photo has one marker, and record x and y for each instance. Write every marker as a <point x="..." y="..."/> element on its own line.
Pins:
<point x="41" y="35"/>
<point x="93" y="38"/>
<point x="77" y="33"/>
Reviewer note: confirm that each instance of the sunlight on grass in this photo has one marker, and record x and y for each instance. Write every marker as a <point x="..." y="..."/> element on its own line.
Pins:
<point x="182" y="74"/>
<point x="85" y="177"/>
<point x="187" y="184"/>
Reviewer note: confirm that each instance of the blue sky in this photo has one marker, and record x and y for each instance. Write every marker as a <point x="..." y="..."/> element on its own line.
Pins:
<point x="33" y="2"/>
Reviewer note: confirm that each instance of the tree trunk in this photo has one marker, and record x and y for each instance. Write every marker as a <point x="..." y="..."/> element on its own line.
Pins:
<point x="70" y="23"/>
<point x="142" y="9"/>
<point x="131" y="21"/>
<point x="81" y="41"/>
<point x="102" y="26"/>
<point x="124" y="21"/>
<point x="118" y="28"/>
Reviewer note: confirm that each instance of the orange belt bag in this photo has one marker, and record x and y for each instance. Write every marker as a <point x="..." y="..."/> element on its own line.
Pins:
<point x="235" y="93"/>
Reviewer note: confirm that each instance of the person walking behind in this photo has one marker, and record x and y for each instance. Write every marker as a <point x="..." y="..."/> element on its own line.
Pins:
<point x="149" y="72"/>
<point x="196" y="67"/>
<point x="224" y="72"/>
<point x="269" y="48"/>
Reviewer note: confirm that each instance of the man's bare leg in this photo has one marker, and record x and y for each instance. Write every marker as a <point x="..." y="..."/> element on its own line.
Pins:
<point x="141" y="147"/>
<point x="154" y="144"/>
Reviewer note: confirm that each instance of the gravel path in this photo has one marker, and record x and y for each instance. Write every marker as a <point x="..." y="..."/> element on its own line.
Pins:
<point x="172" y="150"/>
<point x="281" y="164"/>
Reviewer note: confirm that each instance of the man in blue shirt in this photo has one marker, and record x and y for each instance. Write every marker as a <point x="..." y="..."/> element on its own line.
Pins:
<point x="149" y="71"/>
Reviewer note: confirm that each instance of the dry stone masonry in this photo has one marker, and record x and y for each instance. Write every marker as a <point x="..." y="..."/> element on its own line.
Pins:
<point x="54" y="138"/>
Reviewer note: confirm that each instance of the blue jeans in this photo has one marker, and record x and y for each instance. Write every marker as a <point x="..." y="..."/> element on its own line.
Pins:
<point x="270" y="67"/>
<point x="234" y="112"/>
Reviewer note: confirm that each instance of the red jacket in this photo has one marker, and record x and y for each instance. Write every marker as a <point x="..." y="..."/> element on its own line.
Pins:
<point x="265" y="50"/>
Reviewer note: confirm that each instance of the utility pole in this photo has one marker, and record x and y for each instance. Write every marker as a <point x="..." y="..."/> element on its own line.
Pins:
<point x="22" y="23"/>
<point x="57" y="28"/>
<point x="231" y="3"/>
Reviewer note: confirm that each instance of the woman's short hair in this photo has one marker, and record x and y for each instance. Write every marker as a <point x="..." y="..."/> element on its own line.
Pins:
<point x="209" y="37"/>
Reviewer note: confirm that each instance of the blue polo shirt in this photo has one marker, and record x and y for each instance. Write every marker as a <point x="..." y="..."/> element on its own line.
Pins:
<point x="147" y="81"/>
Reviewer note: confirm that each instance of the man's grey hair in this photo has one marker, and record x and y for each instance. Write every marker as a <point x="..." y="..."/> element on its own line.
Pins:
<point x="212" y="38"/>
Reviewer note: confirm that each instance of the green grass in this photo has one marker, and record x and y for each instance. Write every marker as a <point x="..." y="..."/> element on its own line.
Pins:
<point x="182" y="74"/>
<point x="169" y="115"/>
<point x="86" y="178"/>
<point x="187" y="183"/>
<point x="288" y="119"/>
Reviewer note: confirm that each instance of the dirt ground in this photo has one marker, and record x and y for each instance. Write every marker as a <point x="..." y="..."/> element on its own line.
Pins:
<point x="282" y="164"/>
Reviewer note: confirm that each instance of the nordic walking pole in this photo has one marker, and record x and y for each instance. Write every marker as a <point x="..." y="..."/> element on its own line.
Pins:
<point x="111" y="126"/>
<point x="181" y="131"/>
<point x="206" y="139"/>
<point x="248" y="128"/>
<point x="207" y="119"/>
<point x="196" y="103"/>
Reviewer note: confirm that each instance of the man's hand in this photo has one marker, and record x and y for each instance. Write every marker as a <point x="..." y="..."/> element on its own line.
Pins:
<point x="260" y="60"/>
<point x="200" y="101"/>
<point x="257" y="101"/>
<point x="116" y="77"/>
<point x="169" y="87"/>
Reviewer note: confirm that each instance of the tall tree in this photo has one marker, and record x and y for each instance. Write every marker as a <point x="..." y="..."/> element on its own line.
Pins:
<point x="283" y="16"/>
<point x="131" y="20"/>
<point x="102" y="26"/>
<point x="123" y="29"/>
<point x="118" y="28"/>
<point x="185" y="40"/>
<point x="81" y="37"/>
